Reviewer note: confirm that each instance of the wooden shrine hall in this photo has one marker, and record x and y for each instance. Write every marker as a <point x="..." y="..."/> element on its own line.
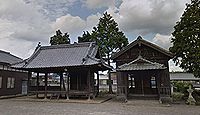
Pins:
<point x="76" y="62"/>
<point x="142" y="70"/>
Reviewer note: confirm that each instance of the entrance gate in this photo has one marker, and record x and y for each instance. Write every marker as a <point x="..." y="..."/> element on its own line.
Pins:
<point x="141" y="84"/>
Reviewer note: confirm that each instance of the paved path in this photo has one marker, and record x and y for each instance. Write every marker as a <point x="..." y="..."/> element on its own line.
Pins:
<point x="134" y="107"/>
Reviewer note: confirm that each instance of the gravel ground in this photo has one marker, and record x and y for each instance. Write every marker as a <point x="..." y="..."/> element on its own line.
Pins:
<point x="133" y="107"/>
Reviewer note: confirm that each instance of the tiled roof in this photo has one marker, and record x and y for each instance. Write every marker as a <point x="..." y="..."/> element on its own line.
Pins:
<point x="182" y="76"/>
<point x="6" y="57"/>
<point x="139" y="40"/>
<point x="65" y="55"/>
<point x="140" y="64"/>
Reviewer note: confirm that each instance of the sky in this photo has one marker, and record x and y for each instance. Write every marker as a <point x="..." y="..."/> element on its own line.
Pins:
<point x="24" y="23"/>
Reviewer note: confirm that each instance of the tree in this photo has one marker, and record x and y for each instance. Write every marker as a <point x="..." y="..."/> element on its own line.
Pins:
<point x="186" y="39"/>
<point x="108" y="37"/>
<point x="86" y="37"/>
<point x="59" y="38"/>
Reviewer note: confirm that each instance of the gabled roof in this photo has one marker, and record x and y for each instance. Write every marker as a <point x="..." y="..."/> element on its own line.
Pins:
<point x="140" y="41"/>
<point x="65" y="55"/>
<point x="6" y="57"/>
<point x="140" y="64"/>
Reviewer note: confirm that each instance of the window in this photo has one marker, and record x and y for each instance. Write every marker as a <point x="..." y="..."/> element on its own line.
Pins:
<point x="11" y="82"/>
<point x="103" y="82"/>
<point x="0" y="82"/>
<point x="131" y="80"/>
<point x="114" y="82"/>
<point x="153" y="82"/>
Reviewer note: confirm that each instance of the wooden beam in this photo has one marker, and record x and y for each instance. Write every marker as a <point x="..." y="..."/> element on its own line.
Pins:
<point x="28" y="82"/>
<point x="68" y="87"/>
<point x="61" y="81"/>
<point x="37" y="78"/>
<point x="97" y="82"/>
<point x="89" y="85"/>
<point x="45" y="94"/>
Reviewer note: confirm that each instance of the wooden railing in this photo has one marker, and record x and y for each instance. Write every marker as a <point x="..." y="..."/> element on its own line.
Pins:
<point x="121" y="90"/>
<point x="164" y="91"/>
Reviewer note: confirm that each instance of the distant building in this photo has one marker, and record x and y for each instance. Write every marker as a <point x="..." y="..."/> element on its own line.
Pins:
<point x="12" y="81"/>
<point x="103" y="82"/>
<point x="182" y="76"/>
<point x="185" y="77"/>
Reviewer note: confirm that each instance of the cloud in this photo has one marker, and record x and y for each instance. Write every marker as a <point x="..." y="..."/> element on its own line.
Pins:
<point x="95" y="4"/>
<point x="22" y="26"/>
<point x="149" y="16"/>
<point x="25" y="22"/>
<point x="173" y="67"/>
<point x="20" y="48"/>
<point x="162" y="40"/>
<point x="52" y="8"/>
<point x="68" y="23"/>
<point x="74" y="25"/>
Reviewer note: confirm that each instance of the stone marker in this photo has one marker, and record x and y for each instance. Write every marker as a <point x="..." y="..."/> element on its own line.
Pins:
<point x="190" y="100"/>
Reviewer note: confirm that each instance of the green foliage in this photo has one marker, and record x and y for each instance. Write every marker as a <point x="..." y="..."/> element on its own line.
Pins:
<point x="86" y="37"/>
<point x="177" y="96"/>
<point x="196" y="95"/>
<point x="59" y="38"/>
<point x="181" y="86"/>
<point x="186" y="39"/>
<point x="107" y="35"/>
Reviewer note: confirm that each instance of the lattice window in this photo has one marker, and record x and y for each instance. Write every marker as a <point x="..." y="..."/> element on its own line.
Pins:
<point x="11" y="82"/>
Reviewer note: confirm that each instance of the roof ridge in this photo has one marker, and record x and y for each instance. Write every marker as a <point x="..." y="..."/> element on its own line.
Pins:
<point x="89" y="51"/>
<point x="82" y="44"/>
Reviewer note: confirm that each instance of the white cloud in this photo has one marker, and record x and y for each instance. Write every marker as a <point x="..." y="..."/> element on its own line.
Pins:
<point x="20" y="48"/>
<point x="68" y="23"/>
<point x="74" y="25"/>
<point x="52" y="8"/>
<point x="173" y="67"/>
<point x="22" y="26"/>
<point x="95" y="4"/>
<point x="92" y="21"/>
<point x="162" y="40"/>
<point x="150" y="16"/>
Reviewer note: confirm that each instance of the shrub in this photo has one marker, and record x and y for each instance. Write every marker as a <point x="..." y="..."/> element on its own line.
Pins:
<point x="177" y="96"/>
<point x="181" y="86"/>
<point x="196" y="95"/>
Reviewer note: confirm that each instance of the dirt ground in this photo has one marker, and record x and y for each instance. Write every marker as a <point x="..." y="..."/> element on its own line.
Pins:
<point x="132" y="107"/>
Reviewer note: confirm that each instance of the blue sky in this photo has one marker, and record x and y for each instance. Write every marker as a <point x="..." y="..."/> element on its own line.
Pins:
<point x="23" y="23"/>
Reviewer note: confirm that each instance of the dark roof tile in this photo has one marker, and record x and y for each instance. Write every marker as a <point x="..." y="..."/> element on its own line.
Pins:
<point x="6" y="57"/>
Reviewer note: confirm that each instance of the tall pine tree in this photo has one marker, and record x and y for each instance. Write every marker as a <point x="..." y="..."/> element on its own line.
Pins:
<point x="59" y="38"/>
<point x="186" y="39"/>
<point x="108" y="37"/>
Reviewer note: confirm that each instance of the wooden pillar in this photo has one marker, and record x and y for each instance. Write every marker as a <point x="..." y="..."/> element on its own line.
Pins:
<point x="68" y="87"/>
<point x="89" y="84"/>
<point x="45" y="94"/>
<point x="97" y="83"/>
<point x="61" y="81"/>
<point x="126" y="87"/>
<point x="28" y="82"/>
<point x="37" y="78"/>
<point x="158" y="82"/>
